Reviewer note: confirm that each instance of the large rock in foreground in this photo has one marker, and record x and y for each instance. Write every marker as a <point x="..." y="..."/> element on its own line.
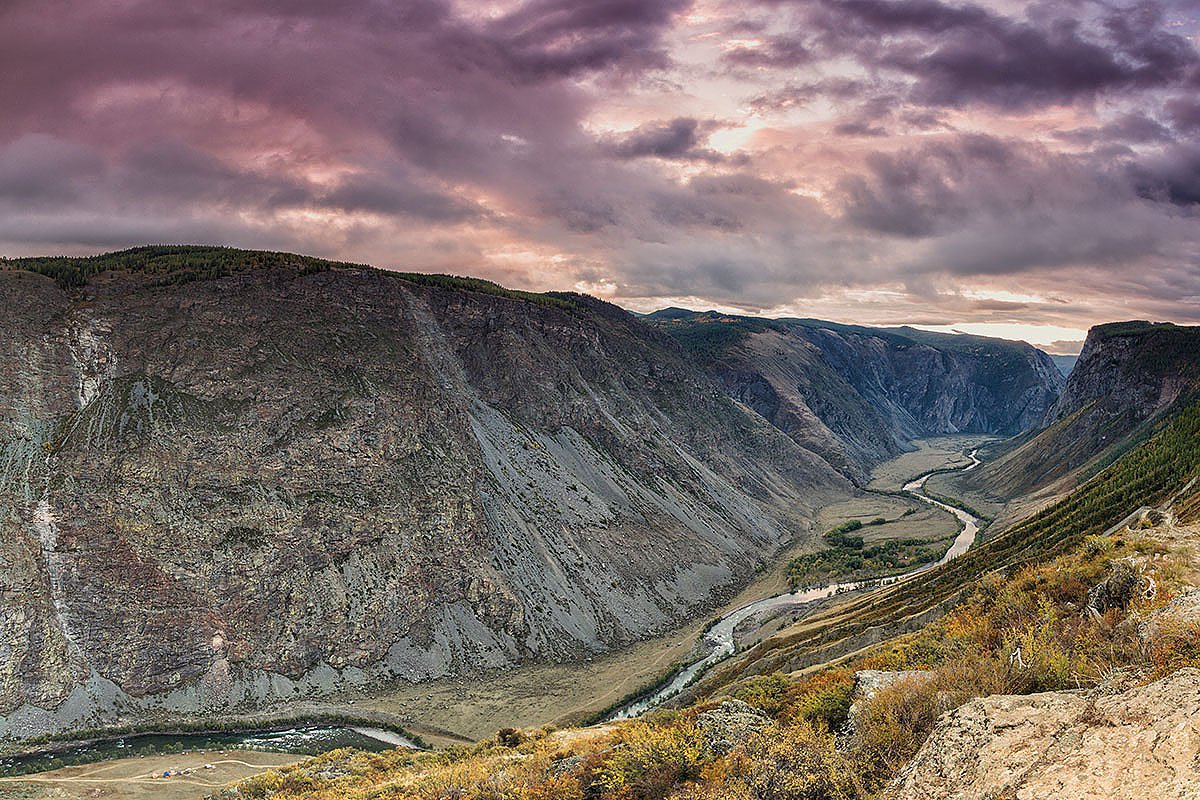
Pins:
<point x="1144" y="742"/>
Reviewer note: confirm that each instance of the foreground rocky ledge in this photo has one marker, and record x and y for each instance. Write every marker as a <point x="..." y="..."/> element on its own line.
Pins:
<point x="1064" y="745"/>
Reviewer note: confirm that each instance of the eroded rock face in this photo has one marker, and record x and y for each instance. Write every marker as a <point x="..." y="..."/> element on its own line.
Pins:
<point x="1128" y="371"/>
<point x="230" y="492"/>
<point x="1143" y="742"/>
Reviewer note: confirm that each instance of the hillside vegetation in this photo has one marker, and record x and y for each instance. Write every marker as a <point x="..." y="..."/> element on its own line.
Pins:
<point x="175" y="264"/>
<point x="1054" y="604"/>
<point x="1147" y="476"/>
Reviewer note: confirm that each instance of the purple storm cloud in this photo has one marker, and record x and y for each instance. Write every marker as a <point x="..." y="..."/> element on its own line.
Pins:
<point x="998" y="164"/>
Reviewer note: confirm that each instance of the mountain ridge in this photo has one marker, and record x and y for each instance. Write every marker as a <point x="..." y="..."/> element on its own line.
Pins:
<point x="857" y="394"/>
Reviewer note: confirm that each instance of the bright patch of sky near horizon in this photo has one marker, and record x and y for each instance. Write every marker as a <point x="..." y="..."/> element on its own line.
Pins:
<point x="1024" y="169"/>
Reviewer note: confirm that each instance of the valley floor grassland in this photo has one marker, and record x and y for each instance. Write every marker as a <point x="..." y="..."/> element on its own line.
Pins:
<point x="130" y="778"/>
<point x="941" y="452"/>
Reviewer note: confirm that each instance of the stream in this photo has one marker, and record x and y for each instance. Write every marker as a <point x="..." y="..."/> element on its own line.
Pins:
<point x="719" y="644"/>
<point x="308" y="741"/>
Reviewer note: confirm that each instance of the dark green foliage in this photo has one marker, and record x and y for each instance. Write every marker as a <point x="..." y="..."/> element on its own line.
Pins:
<point x="1131" y="327"/>
<point x="837" y="536"/>
<point x="171" y="264"/>
<point x="479" y="285"/>
<point x="851" y="559"/>
<point x="175" y="264"/>
<point x="709" y="334"/>
<point x="1145" y="476"/>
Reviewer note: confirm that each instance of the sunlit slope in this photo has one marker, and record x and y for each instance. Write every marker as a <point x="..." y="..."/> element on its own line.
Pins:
<point x="1164" y="468"/>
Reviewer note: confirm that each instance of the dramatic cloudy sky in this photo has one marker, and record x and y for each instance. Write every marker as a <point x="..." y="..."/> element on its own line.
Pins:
<point x="1024" y="168"/>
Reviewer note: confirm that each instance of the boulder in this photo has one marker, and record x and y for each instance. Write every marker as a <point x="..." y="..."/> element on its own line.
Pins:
<point x="730" y="724"/>
<point x="1115" y="591"/>
<point x="1143" y="742"/>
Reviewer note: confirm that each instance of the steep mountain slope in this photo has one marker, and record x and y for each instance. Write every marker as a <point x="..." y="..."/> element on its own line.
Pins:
<point x="1129" y="374"/>
<point x="228" y="478"/>
<point x="856" y="394"/>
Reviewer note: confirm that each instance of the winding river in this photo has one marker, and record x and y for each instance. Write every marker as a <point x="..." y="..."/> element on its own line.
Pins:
<point x="308" y="741"/>
<point x="719" y="644"/>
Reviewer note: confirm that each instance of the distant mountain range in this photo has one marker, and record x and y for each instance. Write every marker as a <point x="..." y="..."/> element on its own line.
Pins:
<point x="858" y="395"/>
<point x="1065" y="363"/>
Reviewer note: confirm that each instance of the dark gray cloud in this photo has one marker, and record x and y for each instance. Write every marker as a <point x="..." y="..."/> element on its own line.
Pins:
<point x="682" y="138"/>
<point x="556" y="38"/>
<point x="1172" y="177"/>
<point x="787" y="51"/>
<point x="966" y="54"/>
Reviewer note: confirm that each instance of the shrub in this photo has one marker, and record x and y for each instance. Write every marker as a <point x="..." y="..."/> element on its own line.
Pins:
<point x="650" y="760"/>
<point x="510" y="737"/>
<point x="767" y="692"/>
<point x="790" y="762"/>
<point x="822" y="699"/>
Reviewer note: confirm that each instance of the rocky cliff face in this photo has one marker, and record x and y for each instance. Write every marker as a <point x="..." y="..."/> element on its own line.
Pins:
<point x="857" y="395"/>
<point x="1131" y="370"/>
<point x="1127" y="376"/>
<point x="229" y="491"/>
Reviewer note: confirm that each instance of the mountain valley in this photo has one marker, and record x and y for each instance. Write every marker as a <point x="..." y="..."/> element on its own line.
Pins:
<point x="256" y="488"/>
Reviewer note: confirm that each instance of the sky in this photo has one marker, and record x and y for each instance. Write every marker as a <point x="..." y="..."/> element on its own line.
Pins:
<point x="1024" y="169"/>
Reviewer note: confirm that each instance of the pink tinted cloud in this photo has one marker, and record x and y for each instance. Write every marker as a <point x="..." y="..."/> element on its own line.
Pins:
<point x="901" y="143"/>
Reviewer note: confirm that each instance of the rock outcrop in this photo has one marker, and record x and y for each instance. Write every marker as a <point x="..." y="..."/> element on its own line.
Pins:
<point x="222" y="492"/>
<point x="730" y="724"/>
<point x="1117" y="590"/>
<point x="1129" y="374"/>
<point x="1131" y="370"/>
<point x="1142" y="742"/>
